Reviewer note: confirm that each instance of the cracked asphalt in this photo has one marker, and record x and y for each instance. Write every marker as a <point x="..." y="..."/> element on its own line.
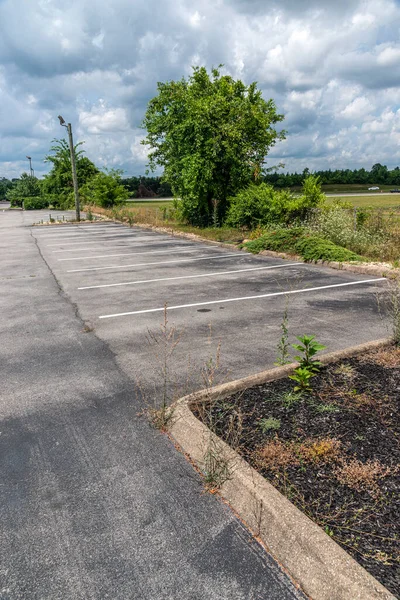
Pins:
<point x="95" y="503"/>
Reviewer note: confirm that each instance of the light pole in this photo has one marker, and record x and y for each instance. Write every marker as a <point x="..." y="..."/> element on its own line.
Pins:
<point x="32" y="172"/>
<point x="73" y="166"/>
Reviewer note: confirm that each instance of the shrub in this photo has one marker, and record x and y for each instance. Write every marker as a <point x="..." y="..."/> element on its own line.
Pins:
<point x="296" y="240"/>
<point x="105" y="190"/>
<point x="313" y="248"/>
<point x="35" y="203"/>
<point x="262" y="205"/>
<point x="351" y="230"/>
<point x="281" y="239"/>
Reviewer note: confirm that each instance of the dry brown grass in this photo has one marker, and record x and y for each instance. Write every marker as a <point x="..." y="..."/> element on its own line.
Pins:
<point x="276" y="455"/>
<point x="362" y="476"/>
<point x="386" y="357"/>
<point x="321" y="450"/>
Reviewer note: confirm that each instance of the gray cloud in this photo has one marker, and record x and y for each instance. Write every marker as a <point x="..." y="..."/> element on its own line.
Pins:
<point x="333" y="69"/>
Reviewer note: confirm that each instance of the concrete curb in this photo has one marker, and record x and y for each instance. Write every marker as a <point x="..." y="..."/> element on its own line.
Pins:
<point x="378" y="270"/>
<point x="319" y="565"/>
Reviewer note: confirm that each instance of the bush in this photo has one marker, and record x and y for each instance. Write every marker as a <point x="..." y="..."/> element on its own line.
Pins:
<point x="61" y="201"/>
<point x="336" y="223"/>
<point x="313" y="248"/>
<point x="297" y="241"/>
<point x="105" y="190"/>
<point x="263" y="205"/>
<point x="258" y="205"/>
<point x="279" y="239"/>
<point x="35" y="203"/>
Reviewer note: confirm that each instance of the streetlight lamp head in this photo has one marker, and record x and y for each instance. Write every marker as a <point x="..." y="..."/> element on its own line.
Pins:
<point x="62" y="122"/>
<point x="29" y="157"/>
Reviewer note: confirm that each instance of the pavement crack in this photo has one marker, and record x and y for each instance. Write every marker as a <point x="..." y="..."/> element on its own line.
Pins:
<point x="61" y="292"/>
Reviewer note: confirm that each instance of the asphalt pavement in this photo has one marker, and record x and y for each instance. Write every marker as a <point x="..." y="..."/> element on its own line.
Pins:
<point x="95" y="503"/>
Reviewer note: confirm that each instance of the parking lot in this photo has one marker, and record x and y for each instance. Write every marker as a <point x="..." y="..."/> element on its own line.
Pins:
<point x="121" y="279"/>
<point x="95" y="503"/>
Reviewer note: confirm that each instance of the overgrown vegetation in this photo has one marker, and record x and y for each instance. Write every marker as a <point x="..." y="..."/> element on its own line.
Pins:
<point x="298" y="240"/>
<point x="211" y="135"/>
<point x="332" y="450"/>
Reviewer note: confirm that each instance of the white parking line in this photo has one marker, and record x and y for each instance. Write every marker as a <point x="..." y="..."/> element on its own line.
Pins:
<point x="85" y="236"/>
<point x="169" y="251"/>
<point x="161" y="262"/>
<point x="107" y="285"/>
<point x="82" y="243"/>
<point x="122" y="246"/>
<point x="225" y="300"/>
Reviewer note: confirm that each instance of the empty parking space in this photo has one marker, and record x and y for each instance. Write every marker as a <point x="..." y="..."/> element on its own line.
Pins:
<point x="122" y="279"/>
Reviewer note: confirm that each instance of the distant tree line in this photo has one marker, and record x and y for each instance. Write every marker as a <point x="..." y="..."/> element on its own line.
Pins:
<point x="379" y="174"/>
<point x="147" y="187"/>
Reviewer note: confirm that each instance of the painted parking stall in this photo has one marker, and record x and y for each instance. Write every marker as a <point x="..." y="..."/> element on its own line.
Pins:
<point x="121" y="279"/>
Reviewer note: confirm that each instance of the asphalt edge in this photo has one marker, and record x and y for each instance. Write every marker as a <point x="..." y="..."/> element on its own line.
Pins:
<point x="321" y="568"/>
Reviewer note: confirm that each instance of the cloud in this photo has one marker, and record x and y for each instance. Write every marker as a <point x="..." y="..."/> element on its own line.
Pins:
<point x="332" y="68"/>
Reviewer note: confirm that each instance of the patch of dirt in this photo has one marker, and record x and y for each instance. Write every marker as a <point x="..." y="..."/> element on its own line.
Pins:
<point x="334" y="452"/>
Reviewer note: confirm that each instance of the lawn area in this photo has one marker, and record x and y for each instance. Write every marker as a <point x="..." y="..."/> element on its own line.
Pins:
<point x="371" y="201"/>
<point x="159" y="203"/>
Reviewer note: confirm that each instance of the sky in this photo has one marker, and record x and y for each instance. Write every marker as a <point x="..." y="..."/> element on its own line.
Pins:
<point x="332" y="67"/>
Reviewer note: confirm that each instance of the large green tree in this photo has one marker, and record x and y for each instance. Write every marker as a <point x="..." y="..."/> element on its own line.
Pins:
<point x="211" y="134"/>
<point x="5" y="185"/>
<point x="59" y="181"/>
<point x="24" y="187"/>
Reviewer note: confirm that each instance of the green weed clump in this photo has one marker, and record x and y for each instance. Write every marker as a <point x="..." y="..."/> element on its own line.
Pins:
<point x="312" y="248"/>
<point x="280" y="239"/>
<point x="296" y="240"/>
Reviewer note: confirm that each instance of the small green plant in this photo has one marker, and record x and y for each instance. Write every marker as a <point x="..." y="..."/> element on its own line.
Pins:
<point x="302" y="376"/>
<point x="270" y="424"/>
<point x="308" y="348"/>
<point x="289" y="399"/>
<point x="326" y="408"/>
<point x="89" y="215"/>
<point x="216" y="467"/>
<point x="283" y="344"/>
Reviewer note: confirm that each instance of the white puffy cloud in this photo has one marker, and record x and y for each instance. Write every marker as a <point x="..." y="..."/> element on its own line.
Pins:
<point x="332" y="68"/>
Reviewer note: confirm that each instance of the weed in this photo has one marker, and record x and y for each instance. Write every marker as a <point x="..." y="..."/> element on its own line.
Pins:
<point x="283" y="344"/>
<point x="164" y="343"/>
<point x="270" y="424"/>
<point x="394" y="309"/>
<point x="362" y="476"/>
<point x="216" y="468"/>
<point x="302" y="376"/>
<point x="326" y="408"/>
<point x="320" y="450"/>
<point x="290" y="399"/>
<point x="308" y="349"/>
<point x="275" y="456"/>
<point x="345" y="370"/>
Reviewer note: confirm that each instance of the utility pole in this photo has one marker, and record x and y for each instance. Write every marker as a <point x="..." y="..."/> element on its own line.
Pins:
<point x="32" y="172"/>
<point x="73" y="166"/>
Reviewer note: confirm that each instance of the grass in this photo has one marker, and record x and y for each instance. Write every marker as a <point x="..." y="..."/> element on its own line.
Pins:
<point x="370" y="201"/>
<point x="361" y="243"/>
<point x="149" y="203"/>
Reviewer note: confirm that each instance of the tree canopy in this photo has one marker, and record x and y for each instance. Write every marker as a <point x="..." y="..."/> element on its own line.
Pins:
<point x="59" y="180"/>
<point x="211" y="134"/>
<point x="105" y="189"/>
<point x="25" y="187"/>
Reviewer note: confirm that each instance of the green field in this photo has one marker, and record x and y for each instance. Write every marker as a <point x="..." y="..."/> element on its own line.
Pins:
<point x="159" y="203"/>
<point x="374" y="201"/>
